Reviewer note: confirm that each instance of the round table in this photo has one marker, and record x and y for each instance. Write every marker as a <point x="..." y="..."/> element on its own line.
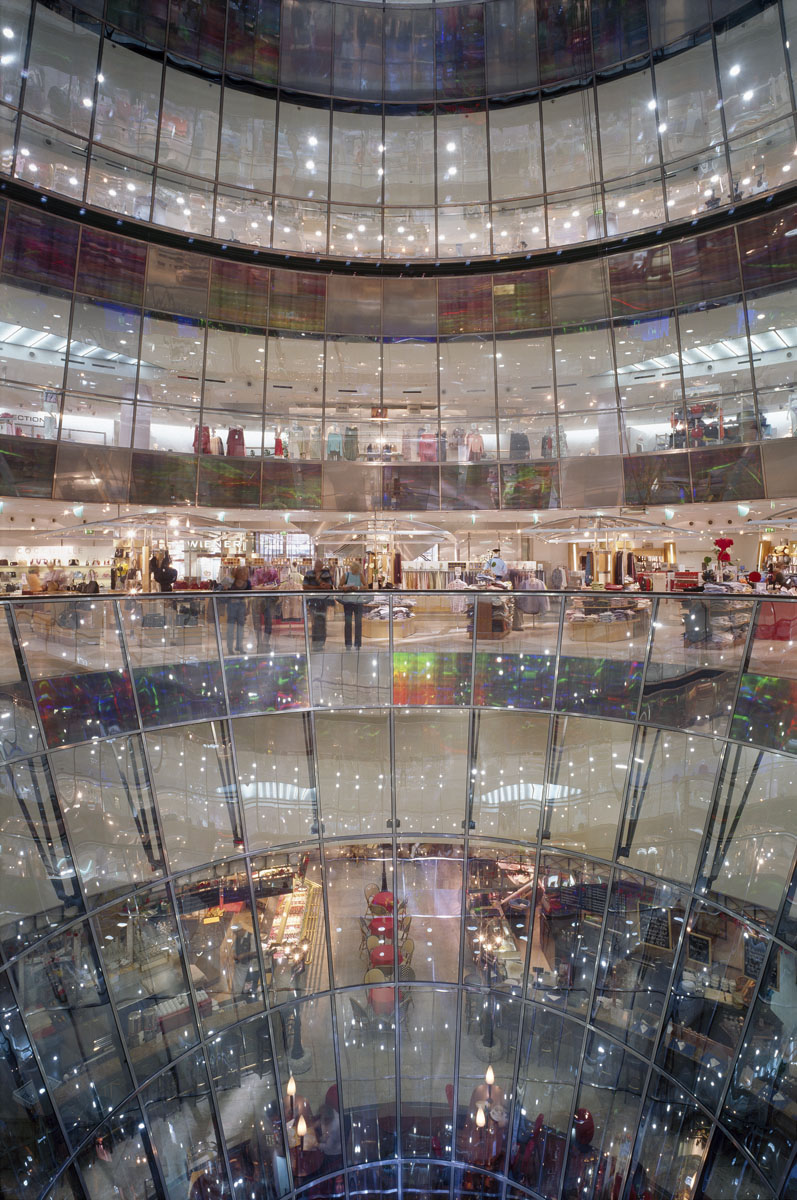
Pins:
<point x="384" y="956"/>
<point x="381" y="926"/>
<point x="381" y="1000"/>
<point x="384" y="899"/>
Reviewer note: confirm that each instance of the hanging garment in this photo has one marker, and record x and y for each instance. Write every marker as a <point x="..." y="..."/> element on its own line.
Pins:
<point x="334" y="444"/>
<point x="589" y="567"/>
<point x="201" y="440"/>
<point x="351" y="447"/>
<point x="617" y="572"/>
<point x="475" y="443"/>
<point x="534" y="605"/>
<point x="547" y="445"/>
<point x="235" y="443"/>
<point x="216" y="445"/>
<point x="427" y="447"/>
<point x="518" y="445"/>
<point x="558" y="578"/>
<point x="631" y="566"/>
<point x="397" y="568"/>
<point x="278" y="446"/>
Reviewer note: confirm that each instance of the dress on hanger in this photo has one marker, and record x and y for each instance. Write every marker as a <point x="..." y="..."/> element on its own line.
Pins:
<point x="334" y="444"/>
<point x="216" y="445"/>
<point x="235" y="443"/>
<point x="475" y="444"/>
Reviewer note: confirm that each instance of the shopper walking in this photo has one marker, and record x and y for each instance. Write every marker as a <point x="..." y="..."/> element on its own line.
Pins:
<point x="318" y="580"/>
<point x="353" y="608"/>
<point x="239" y="581"/>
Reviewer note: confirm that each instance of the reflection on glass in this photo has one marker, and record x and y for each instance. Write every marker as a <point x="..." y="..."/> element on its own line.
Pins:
<point x="431" y="765"/>
<point x="716" y="975"/>
<point x="426" y="1054"/>
<point x="749" y="850"/>
<point x="671" y="1142"/>
<point x="120" y="1160"/>
<point x="41" y="881"/>
<point x="642" y="930"/>
<point x="507" y="776"/>
<point x="179" y="1099"/>
<point x="66" y="1009"/>
<point x="603" y="644"/>
<point x="275" y="776"/>
<point x="353" y="755"/>
<point x="110" y="815"/>
<point x="671" y="780"/>
<point x="366" y="1023"/>
<point x="194" y="780"/>
<point x="220" y="943"/>
<point x="571" y="901"/>
<point x="549" y="1053"/>
<point x="290" y="923"/>
<point x="607" y="1106"/>
<point x="428" y="904"/>
<point x="588" y="773"/>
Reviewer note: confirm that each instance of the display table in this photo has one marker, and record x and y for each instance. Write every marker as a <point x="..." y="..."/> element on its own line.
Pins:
<point x="296" y="919"/>
<point x="385" y="956"/>
<point x="380" y="630"/>
<point x="381" y="1000"/>
<point x="383" y="899"/>
<point x="381" y="927"/>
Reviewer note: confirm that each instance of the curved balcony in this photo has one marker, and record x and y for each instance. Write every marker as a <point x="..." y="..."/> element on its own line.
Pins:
<point x="455" y="132"/>
<point x="504" y="896"/>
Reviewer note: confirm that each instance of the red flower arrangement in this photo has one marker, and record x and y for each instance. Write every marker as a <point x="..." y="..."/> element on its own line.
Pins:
<point x="722" y="545"/>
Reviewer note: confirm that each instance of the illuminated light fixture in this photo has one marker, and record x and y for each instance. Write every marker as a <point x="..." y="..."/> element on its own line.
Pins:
<point x="669" y="513"/>
<point x="220" y="516"/>
<point x="735" y="69"/>
<point x="77" y="510"/>
<point x="743" y="509"/>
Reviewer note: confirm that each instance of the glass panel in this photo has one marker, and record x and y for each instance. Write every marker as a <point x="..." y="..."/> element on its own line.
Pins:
<point x="750" y="847"/>
<point x="752" y="72"/>
<point x="92" y="694"/>
<point x="174" y="656"/>
<point x="360" y="876"/>
<point x="366" y="1024"/>
<point x="589" y="768"/>
<point x="533" y="485"/>
<point x="427" y="1051"/>
<point x="670" y="1123"/>
<point x="290" y="923"/>
<point x="147" y="979"/>
<point x="499" y="891"/>
<point x="112" y="267"/>
<point x="189" y="123"/>
<point x="128" y="99"/>
<point x="719" y="964"/>
<point x="109" y="812"/>
<point x="436" y="668"/>
<point x="275" y="778"/>
<point x="761" y="1091"/>
<point x="644" y="924"/>
<point x="40" y="248"/>
<point x="727" y="1167"/>
<point x="36" y="312"/>
<point x="764" y="713"/>
<point x="33" y="1154"/>
<point x="515" y="151"/>
<point x="62" y="67"/>
<point x="429" y="899"/>
<point x="549" y="1055"/>
<point x="161" y="478"/>
<point x="509" y="750"/>
<point x="353" y="755"/>
<point x="669" y="793"/>
<point x="180" y="1098"/>
<point x="607" y="1106"/>
<point x="168" y="345"/>
<point x="36" y="858"/>
<point x="688" y="109"/>
<point x="524" y="677"/>
<point x="192" y="772"/>
<point x="19" y="734"/>
<point x="302" y="1035"/>
<point x="242" y="1067"/>
<point x="215" y="912"/>
<point x="121" y="1157"/>
<point x="431" y="764"/>
<point x="66" y="1009"/>
<point x="271" y="674"/>
<point x="103" y="351"/>
<point x="603" y="645"/>
<point x="694" y="662"/>
<point x="571" y="900"/>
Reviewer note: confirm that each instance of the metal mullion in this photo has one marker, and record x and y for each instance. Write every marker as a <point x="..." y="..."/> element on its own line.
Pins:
<point x="330" y="137"/>
<point x="576" y="1088"/>
<point x="23" y="88"/>
<point x="612" y="350"/>
<point x="156" y="152"/>
<point x="486" y="103"/>
<point x="720" y="775"/>
<point x="222" y="88"/>
<point x="331" y="981"/>
<point x="718" y="78"/>
<point x="750" y="348"/>
<point x="277" y="105"/>
<point x="618" y="839"/>
<point x="434" y="168"/>
<point x="226" y="718"/>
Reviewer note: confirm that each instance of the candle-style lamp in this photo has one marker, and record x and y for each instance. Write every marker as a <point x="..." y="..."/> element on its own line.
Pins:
<point x="291" y="1090"/>
<point x="489" y="1079"/>
<point x="301" y="1131"/>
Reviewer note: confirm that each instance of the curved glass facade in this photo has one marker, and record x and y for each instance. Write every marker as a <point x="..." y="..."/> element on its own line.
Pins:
<point x="406" y="132"/>
<point x="673" y="366"/>
<point x="569" y="859"/>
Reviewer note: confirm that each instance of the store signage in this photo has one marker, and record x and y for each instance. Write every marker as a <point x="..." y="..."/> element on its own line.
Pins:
<point x="197" y="546"/>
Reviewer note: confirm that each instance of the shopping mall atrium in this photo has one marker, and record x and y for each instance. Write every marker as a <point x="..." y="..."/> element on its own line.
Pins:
<point x="477" y="878"/>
